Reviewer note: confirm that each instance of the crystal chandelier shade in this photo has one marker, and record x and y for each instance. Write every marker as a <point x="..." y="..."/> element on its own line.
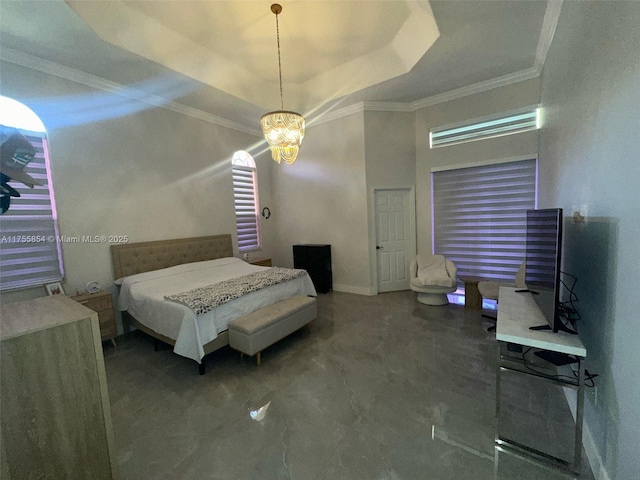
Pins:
<point x="283" y="130"/>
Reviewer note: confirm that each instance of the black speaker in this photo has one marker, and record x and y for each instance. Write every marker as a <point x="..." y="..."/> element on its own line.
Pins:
<point x="316" y="260"/>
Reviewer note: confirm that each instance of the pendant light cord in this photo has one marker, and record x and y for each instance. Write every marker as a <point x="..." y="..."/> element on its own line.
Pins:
<point x="279" y="62"/>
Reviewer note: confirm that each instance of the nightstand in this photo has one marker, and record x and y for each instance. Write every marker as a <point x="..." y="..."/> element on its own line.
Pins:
<point x="102" y="303"/>
<point x="262" y="262"/>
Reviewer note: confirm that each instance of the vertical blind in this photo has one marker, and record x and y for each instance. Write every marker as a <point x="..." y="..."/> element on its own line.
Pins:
<point x="479" y="217"/>
<point x="30" y="252"/>
<point x="246" y="203"/>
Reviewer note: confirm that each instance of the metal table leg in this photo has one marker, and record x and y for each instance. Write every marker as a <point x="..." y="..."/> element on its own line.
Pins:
<point x="519" y="448"/>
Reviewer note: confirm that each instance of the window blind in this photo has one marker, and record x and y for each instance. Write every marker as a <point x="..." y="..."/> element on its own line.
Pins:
<point x="30" y="253"/>
<point x="504" y="124"/>
<point x="246" y="204"/>
<point x="479" y="217"/>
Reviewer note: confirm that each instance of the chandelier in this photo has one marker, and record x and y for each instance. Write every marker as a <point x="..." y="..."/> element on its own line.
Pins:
<point x="283" y="130"/>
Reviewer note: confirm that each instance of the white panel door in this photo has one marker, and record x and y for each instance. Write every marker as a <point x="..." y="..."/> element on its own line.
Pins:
<point x="392" y="239"/>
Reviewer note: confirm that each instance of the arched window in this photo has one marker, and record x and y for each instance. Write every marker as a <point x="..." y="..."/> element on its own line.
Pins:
<point x="30" y="253"/>
<point x="245" y="196"/>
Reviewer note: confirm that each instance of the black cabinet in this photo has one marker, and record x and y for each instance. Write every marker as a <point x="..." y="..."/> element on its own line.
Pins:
<point x="316" y="260"/>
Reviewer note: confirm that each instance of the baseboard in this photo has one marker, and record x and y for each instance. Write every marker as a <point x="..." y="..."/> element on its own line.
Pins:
<point x="590" y="448"/>
<point x="353" y="289"/>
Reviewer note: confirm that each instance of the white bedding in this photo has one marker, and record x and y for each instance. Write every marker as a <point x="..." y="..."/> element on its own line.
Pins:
<point x="142" y="295"/>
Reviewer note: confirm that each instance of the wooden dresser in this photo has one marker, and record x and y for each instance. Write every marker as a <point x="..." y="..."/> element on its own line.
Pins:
<point x="55" y="420"/>
<point x="102" y="303"/>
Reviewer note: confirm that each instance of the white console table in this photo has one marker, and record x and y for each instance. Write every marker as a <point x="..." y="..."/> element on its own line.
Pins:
<point x="517" y="312"/>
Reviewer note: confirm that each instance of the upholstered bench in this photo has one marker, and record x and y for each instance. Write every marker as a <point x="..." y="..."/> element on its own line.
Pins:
<point x="252" y="333"/>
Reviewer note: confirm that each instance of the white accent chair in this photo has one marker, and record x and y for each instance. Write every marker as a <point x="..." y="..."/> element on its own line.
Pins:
<point x="435" y="294"/>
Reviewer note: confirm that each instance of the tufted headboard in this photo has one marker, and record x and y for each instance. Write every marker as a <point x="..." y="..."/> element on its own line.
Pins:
<point x="131" y="258"/>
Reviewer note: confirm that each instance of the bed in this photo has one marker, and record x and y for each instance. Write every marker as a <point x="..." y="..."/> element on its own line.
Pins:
<point x="147" y="272"/>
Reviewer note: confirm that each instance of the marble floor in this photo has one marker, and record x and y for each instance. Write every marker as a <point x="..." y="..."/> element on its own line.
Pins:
<point x="380" y="388"/>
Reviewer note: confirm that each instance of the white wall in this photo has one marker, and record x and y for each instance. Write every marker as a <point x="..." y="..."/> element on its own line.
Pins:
<point x="498" y="100"/>
<point x="322" y="199"/>
<point x="149" y="175"/>
<point x="589" y="149"/>
<point x="390" y="161"/>
<point x="326" y="196"/>
<point x="390" y="150"/>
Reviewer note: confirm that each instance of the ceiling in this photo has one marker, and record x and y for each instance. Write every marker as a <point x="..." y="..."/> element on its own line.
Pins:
<point x="220" y="57"/>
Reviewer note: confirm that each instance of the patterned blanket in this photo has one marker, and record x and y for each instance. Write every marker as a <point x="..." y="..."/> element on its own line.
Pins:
<point x="204" y="299"/>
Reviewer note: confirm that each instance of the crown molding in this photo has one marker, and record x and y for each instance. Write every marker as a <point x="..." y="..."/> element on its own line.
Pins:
<point x="547" y="31"/>
<point x="331" y="115"/>
<point x="358" y="108"/>
<point x="387" y="107"/>
<point x="498" y="82"/>
<point x="51" y="68"/>
<point x="480" y="87"/>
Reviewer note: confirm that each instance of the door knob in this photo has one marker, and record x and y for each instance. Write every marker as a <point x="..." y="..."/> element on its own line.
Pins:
<point x="378" y="247"/>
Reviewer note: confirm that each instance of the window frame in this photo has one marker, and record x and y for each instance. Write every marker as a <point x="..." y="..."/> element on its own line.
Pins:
<point x="30" y="239"/>
<point x="246" y="201"/>
<point x="519" y="120"/>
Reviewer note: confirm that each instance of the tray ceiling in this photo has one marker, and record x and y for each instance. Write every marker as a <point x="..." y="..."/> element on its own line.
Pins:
<point x="221" y="56"/>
